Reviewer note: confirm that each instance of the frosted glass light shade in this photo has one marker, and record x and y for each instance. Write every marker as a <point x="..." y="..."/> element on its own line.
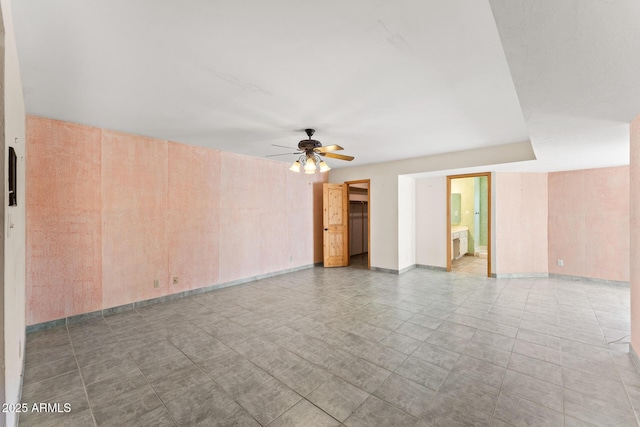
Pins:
<point x="310" y="166"/>
<point x="324" y="167"/>
<point x="295" y="167"/>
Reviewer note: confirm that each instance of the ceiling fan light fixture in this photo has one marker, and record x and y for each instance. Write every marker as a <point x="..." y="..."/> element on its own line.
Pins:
<point x="324" y="167"/>
<point x="309" y="168"/>
<point x="310" y="165"/>
<point x="295" y="167"/>
<point x="310" y="151"/>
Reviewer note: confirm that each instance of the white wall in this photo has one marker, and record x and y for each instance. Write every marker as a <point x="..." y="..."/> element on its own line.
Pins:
<point x="518" y="204"/>
<point x="521" y="217"/>
<point x="14" y="243"/>
<point x="3" y="199"/>
<point x="431" y="221"/>
<point x="383" y="196"/>
<point x="406" y="222"/>
<point x="383" y="250"/>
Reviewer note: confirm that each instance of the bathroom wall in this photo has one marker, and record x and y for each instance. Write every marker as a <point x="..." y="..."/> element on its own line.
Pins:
<point x="483" y="233"/>
<point x="589" y="223"/>
<point x="520" y="223"/>
<point x="467" y="187"/>
<point x="108" y="213"/>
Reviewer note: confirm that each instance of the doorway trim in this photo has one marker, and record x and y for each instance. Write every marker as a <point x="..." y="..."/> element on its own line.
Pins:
<point x="368" y="182"/>
<point x="489" y="216"/>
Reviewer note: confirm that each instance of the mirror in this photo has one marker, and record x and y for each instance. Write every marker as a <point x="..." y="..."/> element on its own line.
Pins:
<point x="456" y="206"/>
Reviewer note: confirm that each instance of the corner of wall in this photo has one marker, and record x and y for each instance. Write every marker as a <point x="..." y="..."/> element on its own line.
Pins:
<point x="588" y="223"/>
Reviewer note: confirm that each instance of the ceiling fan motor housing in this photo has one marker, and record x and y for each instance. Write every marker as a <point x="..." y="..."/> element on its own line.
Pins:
<point x="309" y="144"/>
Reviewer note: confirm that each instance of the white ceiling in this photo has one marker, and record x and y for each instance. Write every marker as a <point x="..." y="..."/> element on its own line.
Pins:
<point x="576" y="67"/>
<point x="386" y="80"/>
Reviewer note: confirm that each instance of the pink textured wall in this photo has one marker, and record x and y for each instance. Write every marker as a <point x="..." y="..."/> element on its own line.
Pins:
<point x="241" y="197"/>
<point x="521" y="218"/>
<point x="634" y="179"/>
<point x="108" y="213"/>
<point x="304" y="193"/>
<point x="270" y="220"/>
<point x="193" y="216"/>
<point x="589" y="223"/>
<point x="134" y="218"/>
<point x="64" y="249"/>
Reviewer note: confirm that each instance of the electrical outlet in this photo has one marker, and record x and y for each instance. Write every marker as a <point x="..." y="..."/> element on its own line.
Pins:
<point x="156" y="283"/>
<point x="175" y="280"/>
<point x="560" y="263"/>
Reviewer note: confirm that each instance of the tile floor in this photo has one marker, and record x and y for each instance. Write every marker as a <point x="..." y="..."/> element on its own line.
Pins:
<point x="359" y="261"/>
<point x="470" y="264"/>
<point x="327" y="347"/>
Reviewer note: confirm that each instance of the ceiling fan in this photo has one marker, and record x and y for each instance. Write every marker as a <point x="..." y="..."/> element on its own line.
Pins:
<point x="309" y="151"/>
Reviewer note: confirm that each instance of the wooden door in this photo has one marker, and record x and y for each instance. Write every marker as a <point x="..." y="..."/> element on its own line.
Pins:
<point x="335" y="220"/>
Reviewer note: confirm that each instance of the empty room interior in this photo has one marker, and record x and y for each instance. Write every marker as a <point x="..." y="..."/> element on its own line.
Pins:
<point x="413" y="213"/>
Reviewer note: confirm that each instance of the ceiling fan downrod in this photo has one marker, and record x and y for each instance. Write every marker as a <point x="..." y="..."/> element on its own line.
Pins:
<point x="310" y="132"/>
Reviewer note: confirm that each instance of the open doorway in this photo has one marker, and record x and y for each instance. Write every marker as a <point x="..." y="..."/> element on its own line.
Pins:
<point x="359" y="210"/>
<point x="469" y="223"/>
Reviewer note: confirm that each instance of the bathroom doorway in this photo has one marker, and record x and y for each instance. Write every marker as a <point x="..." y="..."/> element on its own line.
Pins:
<point x="469" y="223"/>
<point x="359" y="210"/>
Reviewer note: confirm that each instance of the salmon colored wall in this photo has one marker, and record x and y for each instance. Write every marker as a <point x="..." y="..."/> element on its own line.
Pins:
<point x="634" y="179"/>
<point x="134" y="218"/>
<point x="193" y="207"/>
<point x="64" y="248"/>
<point x="108" y="213"/>
<point x="520" y="225"/>
<point x="589" y="223"/>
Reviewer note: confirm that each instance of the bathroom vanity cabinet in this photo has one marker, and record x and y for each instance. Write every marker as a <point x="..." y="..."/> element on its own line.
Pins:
<point x="459" y="241"/>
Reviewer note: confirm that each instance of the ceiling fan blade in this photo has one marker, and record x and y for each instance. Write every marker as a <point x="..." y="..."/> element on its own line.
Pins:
<point x="328" y="148"/>
<point x="284" y="146"/>
<point x="337" y="156"/>
<point x="283" y="154"/>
